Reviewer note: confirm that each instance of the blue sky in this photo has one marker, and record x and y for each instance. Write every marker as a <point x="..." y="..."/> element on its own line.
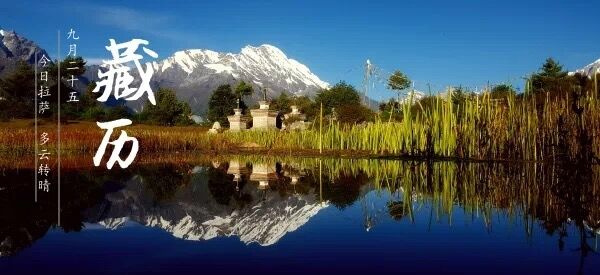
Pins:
<point x="444" y="43"/>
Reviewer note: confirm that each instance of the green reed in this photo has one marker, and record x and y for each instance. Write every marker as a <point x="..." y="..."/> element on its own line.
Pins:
<point x="480" y="128"/>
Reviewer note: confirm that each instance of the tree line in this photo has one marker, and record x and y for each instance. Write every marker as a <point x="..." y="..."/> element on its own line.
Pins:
<point x="340" y="102"/>
<point x="17" y="99"/>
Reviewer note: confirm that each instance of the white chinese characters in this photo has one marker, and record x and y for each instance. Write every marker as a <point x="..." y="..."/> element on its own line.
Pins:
<point x="117" y="78"/>
<point x="117" y="81"/>
<point x="118" y="144"/>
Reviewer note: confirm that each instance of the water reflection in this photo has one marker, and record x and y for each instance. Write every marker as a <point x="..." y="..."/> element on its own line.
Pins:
<point x="223" y="200"/>
<point x="260" y="200"/>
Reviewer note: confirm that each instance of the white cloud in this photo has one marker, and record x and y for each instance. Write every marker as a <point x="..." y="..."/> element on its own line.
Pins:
<point x="94" y="60"/>
<point x="135" y="20"/>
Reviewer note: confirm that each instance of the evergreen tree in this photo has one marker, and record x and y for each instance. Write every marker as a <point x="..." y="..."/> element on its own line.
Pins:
<point x="282" y="103"/>
<point x="17" y="93"/>
<point x="221" y="104"/>
<point x="552" y="69"/>
<point x="168" y="110"/>
<point x="243" y="89"/>
<point x="397" y="82"/>
<point x="551" y="80"/>
<point x="338" y="95"/>
<point x="307" y="107"/>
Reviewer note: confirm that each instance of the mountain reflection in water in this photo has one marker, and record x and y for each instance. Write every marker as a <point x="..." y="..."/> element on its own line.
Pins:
<point x="261" y="200"/>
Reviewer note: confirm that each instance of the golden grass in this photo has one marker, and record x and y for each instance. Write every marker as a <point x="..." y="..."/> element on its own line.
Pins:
<point x="481" y="129"/>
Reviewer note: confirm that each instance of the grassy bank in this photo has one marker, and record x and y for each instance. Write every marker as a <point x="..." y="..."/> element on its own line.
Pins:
<point x="481" y="128"/>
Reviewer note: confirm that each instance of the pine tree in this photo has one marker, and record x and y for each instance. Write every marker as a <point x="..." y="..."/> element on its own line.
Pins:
<point x="243" y="89"/>
<point x="221" y="104"/>
<point x="551" y="80"/>
<point x="168" y="110"/>
<point x="398" y="81"/>
<point x="17" y="93"/>
<point x="552" y="69"/>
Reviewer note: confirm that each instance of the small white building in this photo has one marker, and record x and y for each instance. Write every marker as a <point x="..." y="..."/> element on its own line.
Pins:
<point x="295" y="120"/>
<point x="237" y="122"/>
<point x="263" y="118"/>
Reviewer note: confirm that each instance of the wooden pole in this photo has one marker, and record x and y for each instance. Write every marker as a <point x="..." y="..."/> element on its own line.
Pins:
<point x="321" y="130"/>
<point x="321" y="180"/>
<point x="595" y="83"/>
<point x="392" y="111"/>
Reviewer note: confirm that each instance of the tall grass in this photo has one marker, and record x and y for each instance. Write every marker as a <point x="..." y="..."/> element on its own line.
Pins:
<point x="509" y="129"/>
<point x="480" y="128"/>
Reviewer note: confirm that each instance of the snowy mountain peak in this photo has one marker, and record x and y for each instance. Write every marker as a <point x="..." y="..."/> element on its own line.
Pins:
<point x="590" y="69"/>
<point x="264" y="50"/>
<point x="196" y="215"/>
<point x="15" y="48"/>
<point x="253" y="64"/>
<point x="274" y="60"/>
<point x="194" y="73"/>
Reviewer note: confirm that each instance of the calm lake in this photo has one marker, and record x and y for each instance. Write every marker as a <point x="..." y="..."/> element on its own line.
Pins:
<point x="304" y="215"/>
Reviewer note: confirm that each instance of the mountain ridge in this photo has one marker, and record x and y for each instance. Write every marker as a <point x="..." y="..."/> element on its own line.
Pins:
<point x="194" y="73"/>
<point x="15" y="48"/>
<point x="589" y="69"/>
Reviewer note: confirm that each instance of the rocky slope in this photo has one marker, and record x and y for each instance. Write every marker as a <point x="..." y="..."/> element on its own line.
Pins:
<point x="15" y="48"/>
<point x="195" y="73"/>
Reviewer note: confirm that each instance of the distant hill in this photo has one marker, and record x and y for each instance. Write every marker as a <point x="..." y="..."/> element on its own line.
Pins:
<point x="15" y="48"/>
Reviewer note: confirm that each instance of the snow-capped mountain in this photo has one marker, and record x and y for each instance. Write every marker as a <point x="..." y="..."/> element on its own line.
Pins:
<point x="261" y="65"/>
<point x="15" y="48"/>
<point x="194" y="214"/>
<point x="590" y="69"/>
<point x="415" y="95"/>
<point x="195" y="73"/>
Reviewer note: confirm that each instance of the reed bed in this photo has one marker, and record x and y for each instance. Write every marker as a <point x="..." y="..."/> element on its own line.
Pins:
<point x="482" y="128"/>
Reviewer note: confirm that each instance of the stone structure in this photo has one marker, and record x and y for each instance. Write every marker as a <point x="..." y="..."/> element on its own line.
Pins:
<point x="216" y="128"/>
<point x="295" y="120"/>
<point x="263" y="118"/>
<point x="237" y="122"/>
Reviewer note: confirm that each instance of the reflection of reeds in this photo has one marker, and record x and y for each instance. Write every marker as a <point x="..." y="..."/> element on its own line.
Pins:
<point x="531" y="191"/>
<point x="528" y="194"/>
